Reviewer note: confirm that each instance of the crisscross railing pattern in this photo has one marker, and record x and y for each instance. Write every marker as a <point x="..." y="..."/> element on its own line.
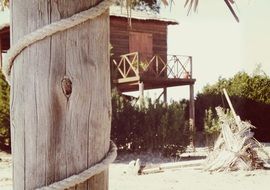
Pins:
<point x="180" y="66"/>
<point x="128" y="65"/>
<point x="176" y="66"/>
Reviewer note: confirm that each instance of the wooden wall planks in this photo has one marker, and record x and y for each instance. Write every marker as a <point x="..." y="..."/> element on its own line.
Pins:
<point x="120" y="29"/>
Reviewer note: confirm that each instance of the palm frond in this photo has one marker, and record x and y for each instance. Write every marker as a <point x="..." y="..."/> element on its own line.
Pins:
<point x="3" y="4"/>
<point x="191" y="4"/>
<point x="196" y="3"/>
<point x="229" y="4"/>
<point x="165" y="2"/>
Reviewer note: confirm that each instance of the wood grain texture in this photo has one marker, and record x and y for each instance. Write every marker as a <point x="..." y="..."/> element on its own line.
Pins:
<point x="54" y="137"/>
<point x="120" y="33"/>
<point x="143" y="43"/>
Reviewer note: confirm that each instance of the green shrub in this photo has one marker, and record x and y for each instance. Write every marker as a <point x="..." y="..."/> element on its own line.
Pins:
<point x="254" y="87"/>
<point x="211" y="127"/>
<point x="153" y="127"/>
<point x="4" y="115"/>
<point x="250" y="96"/>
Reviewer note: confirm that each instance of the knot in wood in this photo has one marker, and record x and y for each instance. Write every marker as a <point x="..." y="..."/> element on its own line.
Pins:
<point x="66" y="85"/>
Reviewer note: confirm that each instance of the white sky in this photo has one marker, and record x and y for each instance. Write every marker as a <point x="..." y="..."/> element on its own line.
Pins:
<point x="219" y="45"/>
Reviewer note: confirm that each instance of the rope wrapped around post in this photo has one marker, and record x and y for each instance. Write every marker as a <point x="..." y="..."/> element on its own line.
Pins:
<point x="85" y="175"/>
<point x="50" y="30"/>
<point x="39" y="35"/>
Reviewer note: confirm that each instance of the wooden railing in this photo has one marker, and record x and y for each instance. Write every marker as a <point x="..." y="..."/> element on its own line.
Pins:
<point x="180" y="66"/>
<point x="128" y="65"/>
<point x="176" y="66"/>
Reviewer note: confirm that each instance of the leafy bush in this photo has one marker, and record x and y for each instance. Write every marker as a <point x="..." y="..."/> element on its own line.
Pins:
<point x="4" y="115"/>
<point x="212" y="125"/>
<point x="210" y="122"/>
<point x="254" y="87"/>
<point x="153" y="127"/>
<point x="250" y="96"/>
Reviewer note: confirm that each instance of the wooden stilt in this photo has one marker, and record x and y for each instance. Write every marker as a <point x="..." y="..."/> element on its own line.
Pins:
<point x="165" y="95"/>
<point x="141" y="91"/>
<point x="192" y="114"/>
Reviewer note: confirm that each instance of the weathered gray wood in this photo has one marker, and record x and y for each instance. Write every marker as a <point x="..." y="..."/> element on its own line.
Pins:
<point x="54" y="136"/>
<point x="173" y="165"/>
<point x="236" y="118"/>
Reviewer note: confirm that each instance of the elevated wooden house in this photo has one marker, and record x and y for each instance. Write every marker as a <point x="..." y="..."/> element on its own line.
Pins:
<point x="139" y="58"/>
<point x="139" y="53"/>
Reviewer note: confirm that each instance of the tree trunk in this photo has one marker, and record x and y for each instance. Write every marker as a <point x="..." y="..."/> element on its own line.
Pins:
<point x="54" y="136"/>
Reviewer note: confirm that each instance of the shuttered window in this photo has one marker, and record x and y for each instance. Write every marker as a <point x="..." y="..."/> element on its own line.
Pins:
<point x="142" y="43"/>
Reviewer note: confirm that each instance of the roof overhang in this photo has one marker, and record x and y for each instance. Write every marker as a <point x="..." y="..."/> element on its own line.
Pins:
<point x="3" y="26"/>
<point x="117" y="11"/>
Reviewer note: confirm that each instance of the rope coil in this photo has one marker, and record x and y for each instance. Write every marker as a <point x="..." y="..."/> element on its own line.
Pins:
<point x="85" y="175"/>
<point x="50" y="30"/>
<point x="40" y="34"/>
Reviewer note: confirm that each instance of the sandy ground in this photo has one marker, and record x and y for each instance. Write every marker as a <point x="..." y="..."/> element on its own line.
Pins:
<point x="188" y="178"/>
<point x="5" y="171"/>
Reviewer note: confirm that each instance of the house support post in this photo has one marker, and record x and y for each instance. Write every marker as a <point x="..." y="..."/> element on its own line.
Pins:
<point x="141" y="91"/>
<point x="165" y="95"/>
<point x="192" y="114"/>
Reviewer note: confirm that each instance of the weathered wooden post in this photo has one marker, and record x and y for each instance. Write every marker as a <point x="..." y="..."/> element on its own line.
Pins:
<point x="60" y="96"/>
<point x="141" y="91"/>
<point x="165" y="95"/>
<point x="192" y="114"/>
<point x="191" y="108"/>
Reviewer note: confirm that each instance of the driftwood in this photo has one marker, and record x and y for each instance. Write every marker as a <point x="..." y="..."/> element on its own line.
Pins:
<point x="235" y="148"/>
<point x="174" y="165"/>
